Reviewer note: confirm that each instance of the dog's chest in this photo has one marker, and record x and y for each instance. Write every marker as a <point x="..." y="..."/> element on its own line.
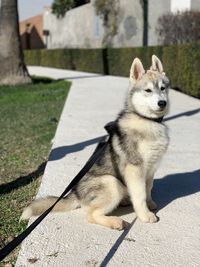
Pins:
<point x="153" y="146"/>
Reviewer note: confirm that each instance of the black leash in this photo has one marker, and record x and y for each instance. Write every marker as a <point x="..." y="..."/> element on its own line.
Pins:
<point x="17" y="240"/>
<point x="110" y="128"/>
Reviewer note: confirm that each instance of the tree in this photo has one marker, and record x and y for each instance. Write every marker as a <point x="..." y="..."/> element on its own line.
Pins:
<point x="179" y="28"/>
<point x="144" y="4"/>
<point x="12" y="70"/>
<point x="60" y="7"/>
<point x="108" y="10"/>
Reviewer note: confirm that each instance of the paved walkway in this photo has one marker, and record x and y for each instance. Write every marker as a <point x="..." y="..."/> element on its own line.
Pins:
<point x="66" y="239"/>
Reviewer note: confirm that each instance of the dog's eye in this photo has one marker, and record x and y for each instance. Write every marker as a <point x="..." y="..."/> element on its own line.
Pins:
<point x="162" y="88"/>
<point x="148" y="90"/>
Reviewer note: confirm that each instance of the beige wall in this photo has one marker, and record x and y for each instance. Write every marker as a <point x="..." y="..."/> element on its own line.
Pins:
<point x="157" y="8"/>
<point x="81" y="27"/>
<point x="130" y="30"/>
<point x="195" y="5"/>
<point x="76" y="29"/>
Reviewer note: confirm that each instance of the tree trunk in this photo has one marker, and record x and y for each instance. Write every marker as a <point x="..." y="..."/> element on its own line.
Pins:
<point x="12" y="68"/>
<point x="145" y="21"/>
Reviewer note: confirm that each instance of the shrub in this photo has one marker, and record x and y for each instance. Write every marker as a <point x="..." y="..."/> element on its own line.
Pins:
<point x="179" y="28"/>
<point x="181" y="62"/>
<point x="120" y="59"/>
<point x="182" y="66"/>
<point x="89" y="60"/>
<point x="33" y="57"/>
<point x="60" y="7"/>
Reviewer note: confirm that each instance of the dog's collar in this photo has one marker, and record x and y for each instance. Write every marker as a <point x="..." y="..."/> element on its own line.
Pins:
<point x="112" y="127"/>
<point x="158" y="120"/>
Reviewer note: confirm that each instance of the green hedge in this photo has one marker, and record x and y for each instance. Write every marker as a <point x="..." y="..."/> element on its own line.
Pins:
<point x="120" y="59"/>
<point x="89" y="60"/>
<point x="33" y="57"/>
<point x="181" y="63"/>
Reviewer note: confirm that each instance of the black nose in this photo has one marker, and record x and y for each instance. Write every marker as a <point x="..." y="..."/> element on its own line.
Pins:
<point x="162" y="103"/>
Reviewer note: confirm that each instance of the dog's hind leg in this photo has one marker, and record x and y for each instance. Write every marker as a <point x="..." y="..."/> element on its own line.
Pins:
<point x="96" y="214"/>
<point x="105" y="203"/>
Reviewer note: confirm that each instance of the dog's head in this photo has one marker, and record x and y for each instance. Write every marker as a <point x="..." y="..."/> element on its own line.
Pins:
<point x="148" y="94"/>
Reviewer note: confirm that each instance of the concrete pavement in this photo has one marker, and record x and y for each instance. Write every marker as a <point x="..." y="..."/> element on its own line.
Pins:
<point x="66" y="239"/>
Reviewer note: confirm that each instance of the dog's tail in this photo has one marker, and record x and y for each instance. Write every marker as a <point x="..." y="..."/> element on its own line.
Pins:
<point x="37" y="207"/>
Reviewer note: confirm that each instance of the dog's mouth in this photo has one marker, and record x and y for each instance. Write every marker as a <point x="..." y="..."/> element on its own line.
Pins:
<point x="161" y="111"/>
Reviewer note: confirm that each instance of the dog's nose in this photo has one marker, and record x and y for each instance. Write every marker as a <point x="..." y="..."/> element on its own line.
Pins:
<point x="162" y="103"/>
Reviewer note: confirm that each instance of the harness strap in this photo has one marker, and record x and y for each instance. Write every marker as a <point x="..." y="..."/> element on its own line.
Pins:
<point x="17" y="240"/>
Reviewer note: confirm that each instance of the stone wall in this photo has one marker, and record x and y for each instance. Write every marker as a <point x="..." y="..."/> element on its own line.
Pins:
<point x="77" y="29"/>
<point x="156" y="9"/>
<point x="130" y="28"/>
<point x="195" y="5"/>
<point x="82" y="28"/>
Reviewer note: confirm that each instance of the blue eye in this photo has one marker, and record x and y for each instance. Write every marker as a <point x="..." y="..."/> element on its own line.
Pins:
<point x="148" y="90"/>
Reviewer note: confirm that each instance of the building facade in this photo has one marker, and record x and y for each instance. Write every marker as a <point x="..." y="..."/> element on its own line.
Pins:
<point x="31" y="32"/>
<point x="82" y="28"/>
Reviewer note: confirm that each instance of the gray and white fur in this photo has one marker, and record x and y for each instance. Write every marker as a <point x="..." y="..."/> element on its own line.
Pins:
<point x="127" y="165"/>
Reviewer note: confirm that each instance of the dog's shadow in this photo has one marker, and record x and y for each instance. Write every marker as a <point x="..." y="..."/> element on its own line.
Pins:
<point x="170" y="188"/>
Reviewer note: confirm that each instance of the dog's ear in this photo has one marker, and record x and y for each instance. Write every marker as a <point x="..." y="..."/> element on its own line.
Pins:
<point x="137" y="70"/>
<point x="156" y="64"/>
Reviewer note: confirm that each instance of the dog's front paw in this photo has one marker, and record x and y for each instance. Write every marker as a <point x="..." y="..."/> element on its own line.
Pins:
<point x="148" y="217"/>
<point x="117" y="223"/>
<point x="151" y="205"/>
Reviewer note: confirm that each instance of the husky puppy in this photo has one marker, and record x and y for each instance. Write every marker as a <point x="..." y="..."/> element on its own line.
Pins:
<point x="127" y="165"/>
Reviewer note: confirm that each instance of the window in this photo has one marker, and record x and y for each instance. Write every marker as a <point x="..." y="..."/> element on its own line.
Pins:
<point x="97" y="26"/>
<point x="180" y="5"/>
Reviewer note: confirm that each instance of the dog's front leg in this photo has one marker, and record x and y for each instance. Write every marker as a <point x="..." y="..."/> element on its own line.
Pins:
<point x="149" y="184"/>
<point x="136" y="185"/>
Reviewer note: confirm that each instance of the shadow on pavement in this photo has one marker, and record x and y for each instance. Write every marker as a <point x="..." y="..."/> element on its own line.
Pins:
<point x="60" y="152"/>
<point x="165" y="190"/>
<point x="187" y="113"/>
<point x="55" y="154"/>
<point x="79" y="77"/>
<point x="173" y="186"/>
<point x="168" y="189"/>
<point x="116" y="245"/>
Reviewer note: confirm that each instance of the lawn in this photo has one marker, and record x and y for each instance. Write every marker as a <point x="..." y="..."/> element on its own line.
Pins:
<point x="28" y="119"/>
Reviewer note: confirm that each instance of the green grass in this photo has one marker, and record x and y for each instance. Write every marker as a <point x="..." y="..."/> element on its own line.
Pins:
<point x="28" y="120"/>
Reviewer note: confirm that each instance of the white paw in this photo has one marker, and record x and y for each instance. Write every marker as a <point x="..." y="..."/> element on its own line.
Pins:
<point x="26" y="214"/>
<point x="148" y="217"/>
<point x="117" y="223"/>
